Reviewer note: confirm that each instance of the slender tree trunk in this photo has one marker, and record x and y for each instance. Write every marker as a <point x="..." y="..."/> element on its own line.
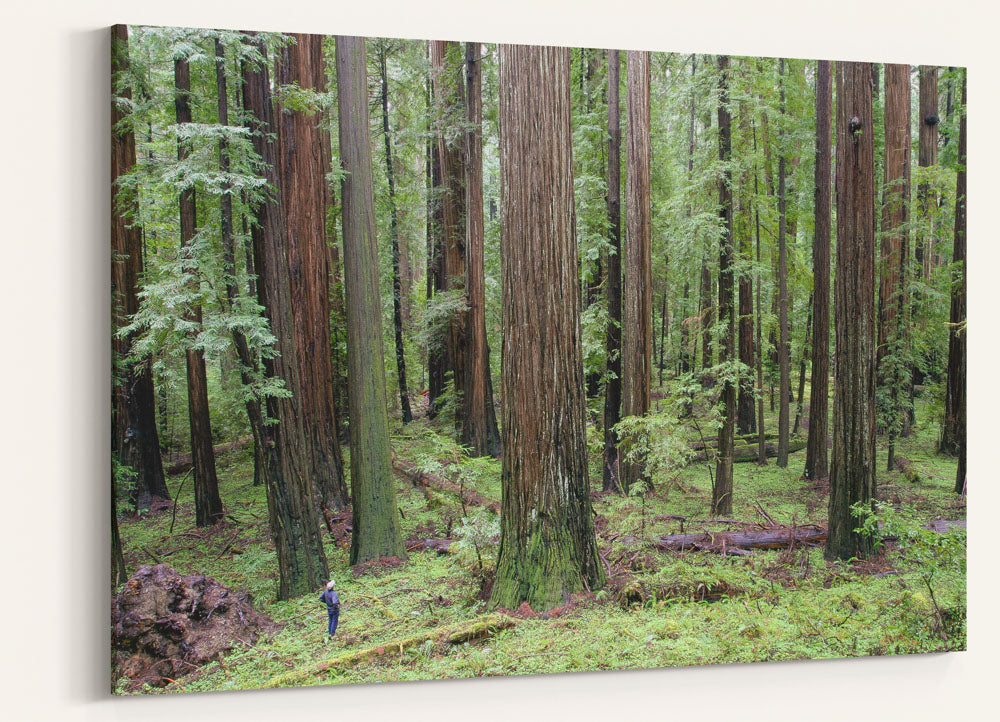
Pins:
<point x="479" y="428"/>
<point x="638" y="302"/>
<point x="784" y="370"/>
<point x="687" y="355"/>
<point x="292" y="515"/>
<point x="135" y="439"/>
<point x="248" y="364"/>
<point x="207" y="503"/>
<point x="397" y="311"/>
<point x="953" y="433"/>
<point x="722" y="491"/>
<point x="852" y="466"/>
<point x="816" y="451"/>
<point x="746" y="418"/>
<point x="449" y="97"/>
<point x="706" y="314"/>
<point x="761" y="455"/>
<point x="894" y="251"/>
<point x="926" y="157"/>
<point x="663" y="333"/>
<point x="302" y="181"/>
<point x="437" y="352"/>
<point x="375" y="533"/>
<point x="613" y="343"/>
<point x="802" y="368"/>
<point x="547" y="545"/>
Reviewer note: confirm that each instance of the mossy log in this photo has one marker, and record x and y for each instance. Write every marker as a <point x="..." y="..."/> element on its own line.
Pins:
<point x="773" y="538"/>
<point x="415" y="476"/>
<point x="906" y="468"/>
<point x="744" y="452"/>
<point x="739" y="439"/>
<point x="480" y="628"/>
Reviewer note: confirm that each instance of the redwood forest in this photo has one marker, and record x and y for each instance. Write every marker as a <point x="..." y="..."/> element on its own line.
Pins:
<point x="529" y="359"/>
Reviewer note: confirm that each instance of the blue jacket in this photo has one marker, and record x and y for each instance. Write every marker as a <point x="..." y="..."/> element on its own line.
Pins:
<point x="331" y="599"/>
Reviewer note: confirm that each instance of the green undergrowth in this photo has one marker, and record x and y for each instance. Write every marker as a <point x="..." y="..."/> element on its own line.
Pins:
<point x="658" y="608"/>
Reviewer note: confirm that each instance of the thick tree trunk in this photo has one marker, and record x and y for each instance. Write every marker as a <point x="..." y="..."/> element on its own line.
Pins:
<point x="722" y="490"/>
<point x="450" y="102"/>
<point x="816" y="451"/>
<point x="285" y="464"/>
<point x="302" y="181"/>
<point x="207" y="503"/>
<point x="397" y="310"/>
<point x="547" y="545"/>
<point x="375" y="532"/>
<point x="784" y="370"/>
<point x="613" y="342"/>
<point x="852" y="466"/>
<point x="135" y="439"/>
<point x="479" y="427"/>
<point x="953" y="433"/>
<point x="638" y="301"/>
<point x="894" y="251"/>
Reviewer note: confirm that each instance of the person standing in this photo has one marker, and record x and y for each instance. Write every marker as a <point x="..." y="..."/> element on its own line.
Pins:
<point x="332" y="601"/>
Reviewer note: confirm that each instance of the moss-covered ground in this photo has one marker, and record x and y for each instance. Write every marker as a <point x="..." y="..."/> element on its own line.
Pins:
<point x="660" y="608"/>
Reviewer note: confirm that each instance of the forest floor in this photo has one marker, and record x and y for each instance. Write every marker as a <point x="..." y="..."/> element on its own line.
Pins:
<point x="659" y="608"/>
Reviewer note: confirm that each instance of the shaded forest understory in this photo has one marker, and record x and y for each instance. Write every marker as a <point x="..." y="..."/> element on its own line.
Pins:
<point x="659" y="607"/>
<point x="554" y="359"/>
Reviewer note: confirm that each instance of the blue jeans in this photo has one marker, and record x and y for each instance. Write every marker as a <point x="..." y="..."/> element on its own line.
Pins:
<point x="333" y="618"/>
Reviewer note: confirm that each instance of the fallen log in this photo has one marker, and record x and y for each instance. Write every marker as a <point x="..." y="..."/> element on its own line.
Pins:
<point x="766" y="538"/>
<point x="713" y="441"/>
<point x="480" y="628"/>
<point x="748" y="452"/>
<point x="906" y="468"/>
<point x="415" y="476"/>
<point x="183" y="462"/>
<point x="441" y="546"/>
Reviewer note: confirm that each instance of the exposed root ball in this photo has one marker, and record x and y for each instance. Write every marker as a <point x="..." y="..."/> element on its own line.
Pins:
<point x="165" y="626"/>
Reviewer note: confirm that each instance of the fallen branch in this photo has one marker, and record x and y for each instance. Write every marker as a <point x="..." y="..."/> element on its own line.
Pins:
<point x="456" y="634"/>
<point x="747" y="452"/>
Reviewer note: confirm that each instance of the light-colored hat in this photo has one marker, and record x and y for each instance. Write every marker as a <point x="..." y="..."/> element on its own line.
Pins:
<point x="331" y="584"/>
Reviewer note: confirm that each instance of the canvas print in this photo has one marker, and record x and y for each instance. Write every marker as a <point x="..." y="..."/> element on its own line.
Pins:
<point x="439" y="359"/>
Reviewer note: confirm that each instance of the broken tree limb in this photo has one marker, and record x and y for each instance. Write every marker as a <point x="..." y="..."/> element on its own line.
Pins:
<point x="480" y="628"/>
<point x="415" y="476"/>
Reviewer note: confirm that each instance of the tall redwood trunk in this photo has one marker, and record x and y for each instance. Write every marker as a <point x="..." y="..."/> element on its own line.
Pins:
<point x="302" y="181"/>
<point x="926" y="157"/>
<point x="207" y="503"/>
<point x="134" y="437"/>
<point x="802" y="367"/>
<point x="397" y="310"/>
<point x="613" y="341"/>
<point x="437" y="352"/>
<point x="375" y="532"/>
<point x="953" y="433"/>
<point x="547" y="545"/>
<point x="852" y="465"/>
<point x="722" y="491"/>
<point x="784" y="365"/>
<point x="285" y="458"/>
<point x="449" y="98"/>
<point x="746" y="417"/>
<point x="637" y="316"/>
<point x="816" y="451"/>
<point x="479" y="427"/>
<point x="894" y="251"/>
